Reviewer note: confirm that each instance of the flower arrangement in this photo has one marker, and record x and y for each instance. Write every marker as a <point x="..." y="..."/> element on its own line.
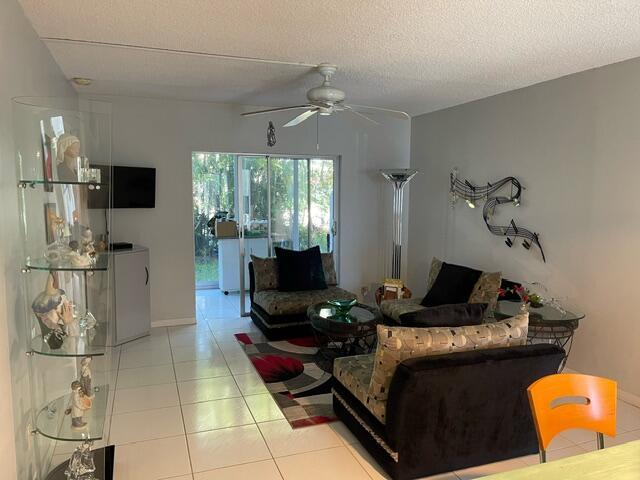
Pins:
<point x="525" y="295"/>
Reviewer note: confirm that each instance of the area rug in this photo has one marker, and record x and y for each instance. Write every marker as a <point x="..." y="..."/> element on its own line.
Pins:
<point x="289" y="370"/>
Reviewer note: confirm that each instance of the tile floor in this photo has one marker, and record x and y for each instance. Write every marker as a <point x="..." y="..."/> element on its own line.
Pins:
<point x="188" y="406"/>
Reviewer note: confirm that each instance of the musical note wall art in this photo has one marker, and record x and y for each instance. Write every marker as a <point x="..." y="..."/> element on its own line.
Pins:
<point x="472" y="194"/>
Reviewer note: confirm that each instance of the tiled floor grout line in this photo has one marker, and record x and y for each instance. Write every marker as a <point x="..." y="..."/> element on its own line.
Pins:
<point x="184" y="426"/>
<point x="273" y="459"/>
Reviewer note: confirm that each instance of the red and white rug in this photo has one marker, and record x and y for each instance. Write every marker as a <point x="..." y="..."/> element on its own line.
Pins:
<point x="289" y="370"/>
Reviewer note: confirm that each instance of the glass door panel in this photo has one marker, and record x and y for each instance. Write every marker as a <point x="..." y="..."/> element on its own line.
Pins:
<point x="253" y="216"/>
<point x="213" y="194"/>
<point x="321" y="210"/>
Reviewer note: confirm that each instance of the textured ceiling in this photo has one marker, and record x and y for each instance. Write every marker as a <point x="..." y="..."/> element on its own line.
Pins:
<point x="413" y="55"/>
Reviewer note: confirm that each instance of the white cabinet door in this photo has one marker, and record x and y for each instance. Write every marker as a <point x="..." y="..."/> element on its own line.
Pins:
<point x="132" y="295"/>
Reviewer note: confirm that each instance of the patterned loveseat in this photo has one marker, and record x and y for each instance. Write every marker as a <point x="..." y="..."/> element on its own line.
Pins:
<point x="284" y="314"/>
<point x="484" y="291"/>
<point x="433" y="400"/>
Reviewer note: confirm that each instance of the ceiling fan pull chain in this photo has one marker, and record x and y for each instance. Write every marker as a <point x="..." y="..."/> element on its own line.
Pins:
<point x="317" y="133"/>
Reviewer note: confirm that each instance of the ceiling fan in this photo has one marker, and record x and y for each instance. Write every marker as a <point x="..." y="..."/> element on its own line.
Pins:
<point x="326" y="100"/>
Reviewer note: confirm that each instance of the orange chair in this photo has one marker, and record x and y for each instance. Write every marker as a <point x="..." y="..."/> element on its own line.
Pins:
<point x="568" y="400"/>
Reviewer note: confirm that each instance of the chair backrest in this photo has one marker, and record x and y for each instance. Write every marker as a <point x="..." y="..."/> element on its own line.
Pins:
<point x="567" y="400"/>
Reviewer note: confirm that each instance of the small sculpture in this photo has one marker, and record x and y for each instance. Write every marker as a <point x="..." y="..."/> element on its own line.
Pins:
<point x="81" y="465"/>
<point x="79" y="404"/>
<point x="54" y="313"/>
<point x="85" y="377"/>
<point x="67" y="155"/>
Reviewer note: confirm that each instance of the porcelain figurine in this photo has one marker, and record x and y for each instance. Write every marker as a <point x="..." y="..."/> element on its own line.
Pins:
<point x="80" y="260"/>
<point x="79" y="404"/>
<point x="81" y="465"/>
<point x="85" y="377"/>
<point x="67" y="155"/>
<point x="54" y="312"/>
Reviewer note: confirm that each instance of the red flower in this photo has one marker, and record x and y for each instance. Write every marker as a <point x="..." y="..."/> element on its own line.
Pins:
<point x="502" y="292"/>
<point x="274" y="368"/>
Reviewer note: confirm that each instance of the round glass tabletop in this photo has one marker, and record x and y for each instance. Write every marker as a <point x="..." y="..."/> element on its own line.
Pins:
<point x="546" y="315"/>
<point x="360" y="320"/>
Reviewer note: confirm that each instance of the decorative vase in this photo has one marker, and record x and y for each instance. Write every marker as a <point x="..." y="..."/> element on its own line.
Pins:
<point x="342" y="307"/>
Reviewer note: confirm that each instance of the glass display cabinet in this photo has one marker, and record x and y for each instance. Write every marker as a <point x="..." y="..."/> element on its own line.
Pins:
<point x="63" y="154"/>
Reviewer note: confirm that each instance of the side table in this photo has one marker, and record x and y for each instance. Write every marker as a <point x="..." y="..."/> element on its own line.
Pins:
<point x="546" y="324"/>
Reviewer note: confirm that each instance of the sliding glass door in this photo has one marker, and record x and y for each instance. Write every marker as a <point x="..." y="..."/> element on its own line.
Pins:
<point x="287" y="202"/>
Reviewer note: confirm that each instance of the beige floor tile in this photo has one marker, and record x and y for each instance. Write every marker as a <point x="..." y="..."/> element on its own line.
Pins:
<point x="284" y="440"/>
<point x="491" y="468"/>
<point x="207" y="368"/>
<point x="152" y="460"/>
<point x="145" y="357"/>
<point x="263" y="407"/>
<point x="250" y="383"/>
<point x="231" y="349"/>
<point x="375" y="471"/>
<point x="226" y="447"/>
<point x="145" y="398"/>
<point x="239" y="364"/>
<point x="146" y="425"/>
<point x="322" y="465"/>
<point x="207" y="389"/>
<point x="181" y="477"/>
<point x="228" y="412"/>
<point x="555" y="455"/>
<point x="146" y="342"/>
<point x="192" y="340"/>
<point x="265" y="470"/>
<point x="140" y="377"/>
<point x="612" y="441"/>
<point x="196" y="352"/>
<point x="343" y="432"/>
<point x="628" y="417"/>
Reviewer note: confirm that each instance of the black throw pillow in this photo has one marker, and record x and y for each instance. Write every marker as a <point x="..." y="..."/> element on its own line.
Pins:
<point x="453" y="284"/>
<point x="300" y="270"/>
<point x="455" y="315"/>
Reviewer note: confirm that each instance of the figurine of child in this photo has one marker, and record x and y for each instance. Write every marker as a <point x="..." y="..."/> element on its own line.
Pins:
<point x="85" y="377"/>
<point x="79" y="404"/>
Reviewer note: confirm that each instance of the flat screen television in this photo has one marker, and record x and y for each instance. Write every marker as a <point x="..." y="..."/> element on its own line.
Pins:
<point x="131" y="187"/>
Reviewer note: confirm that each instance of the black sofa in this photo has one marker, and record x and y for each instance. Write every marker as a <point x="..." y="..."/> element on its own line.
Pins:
<point x="450" y="412"/>
<point x="278" y="325"/>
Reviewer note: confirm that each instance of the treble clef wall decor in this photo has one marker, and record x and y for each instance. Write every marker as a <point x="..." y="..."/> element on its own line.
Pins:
<point x="472" y="194"/>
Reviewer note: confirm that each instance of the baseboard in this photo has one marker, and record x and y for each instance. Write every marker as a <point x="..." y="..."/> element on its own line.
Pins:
<point x="173" y="322"/>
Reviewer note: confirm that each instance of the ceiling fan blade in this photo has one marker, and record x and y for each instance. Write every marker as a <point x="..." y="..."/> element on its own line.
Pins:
<point x="301" y="118"/>
<point x="271" y="110"/>
<point x="395" y="113"/>
<point x="347" y="108"/>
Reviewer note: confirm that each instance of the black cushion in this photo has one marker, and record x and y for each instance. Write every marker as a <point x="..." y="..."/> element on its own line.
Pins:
<point x="454" y="315"/>
<point x="453" y="284"/>
<point x="300" y="270"/>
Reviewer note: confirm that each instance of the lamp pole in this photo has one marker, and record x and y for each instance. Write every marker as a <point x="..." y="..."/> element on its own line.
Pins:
<point x="398" y="177"/>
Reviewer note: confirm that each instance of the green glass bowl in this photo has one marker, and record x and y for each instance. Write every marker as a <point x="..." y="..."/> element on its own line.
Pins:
<point x="342" y="306"/>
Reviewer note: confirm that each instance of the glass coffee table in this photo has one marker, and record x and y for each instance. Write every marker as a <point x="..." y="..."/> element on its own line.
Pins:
<point x="547" y="324"/>
<point x="343" y="335"/>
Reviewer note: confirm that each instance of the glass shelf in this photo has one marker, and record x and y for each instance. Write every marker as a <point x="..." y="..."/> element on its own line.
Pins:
<point x="93" y="346"/>
<point x="26" y="183"/>
<point x="53" y="423"/>
<point x="102" y="263"/>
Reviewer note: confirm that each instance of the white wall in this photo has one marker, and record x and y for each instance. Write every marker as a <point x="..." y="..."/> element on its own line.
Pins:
<point x="574" y="143"/>
<point x="163" y="133"/>
<point x="26" y="68"/>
